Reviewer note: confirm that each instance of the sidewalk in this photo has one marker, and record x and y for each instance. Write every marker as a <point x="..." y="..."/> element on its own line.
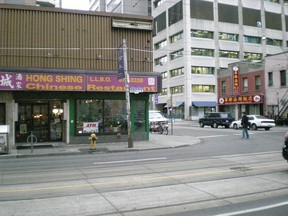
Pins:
<point x="157" y="141"/>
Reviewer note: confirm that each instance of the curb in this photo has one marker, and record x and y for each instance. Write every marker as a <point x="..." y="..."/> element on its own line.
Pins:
<point x="87" y="151"/>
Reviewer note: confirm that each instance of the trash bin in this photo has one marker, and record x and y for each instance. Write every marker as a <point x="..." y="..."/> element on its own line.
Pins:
<point x="4" y="147"/>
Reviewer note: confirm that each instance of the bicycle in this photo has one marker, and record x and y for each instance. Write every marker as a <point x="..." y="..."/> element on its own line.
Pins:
<point x="159" y="127"/>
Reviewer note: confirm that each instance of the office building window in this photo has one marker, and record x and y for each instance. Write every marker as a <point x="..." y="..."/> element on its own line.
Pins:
<point x="176" y="37"/>
<point x="177" y="72"/>
<point x="197" y="12"/>
<point x="283" y="78"/>
<point x="252" y="56"/>
<point x="202" y="70"/>
<point x="203" y="88"/>
<point x="161" y="60"/>
<point x="228" y="13"/>
<point x="245" y="85"/>
<point x="114" y="6"/>
<point x="273" y="1"/>
<point x="228" y="54"/>
<point x="273" y="42"/>
<point x="228" y="37"/>
<point x="202" y="34"/>
<point x="257" y="83"/>
<point x="270" y="79"/>
<point x="273" y="20"/>
<point x="164" y="75"/>
<point x="164" y="91"/>
<point x="177" y="89"/>
<point x="160" y="22"/>
<point x="202" y="52"/>
<point x="223" y="87"/>
<point x="251" y="16"/>
<point x="176" y="55"/>
<point x="175" y="13"/>
<point x="160" y="44"/>
<point x="157" y="3"/>
<point x="251" y="39"/>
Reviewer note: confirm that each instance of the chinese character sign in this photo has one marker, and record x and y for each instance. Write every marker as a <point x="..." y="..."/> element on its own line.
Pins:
<point x="250" y="99"/>
<point x="41" y="82"/>
<point x="9" y="81"/>
<point x="235" y="80"/>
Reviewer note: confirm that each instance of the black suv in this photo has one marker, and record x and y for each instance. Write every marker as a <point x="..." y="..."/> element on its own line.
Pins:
<point x="214" y="119"/>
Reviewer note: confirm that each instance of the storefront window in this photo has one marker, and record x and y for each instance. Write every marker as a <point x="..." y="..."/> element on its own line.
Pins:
<point x="101" y="116"/>
<point x="43" y="118"/>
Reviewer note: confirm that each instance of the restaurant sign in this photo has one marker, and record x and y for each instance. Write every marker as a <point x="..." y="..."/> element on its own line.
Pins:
<point x="112" y="84"/>
<point x="73" y="82"/>
<point x="251" y="99"/>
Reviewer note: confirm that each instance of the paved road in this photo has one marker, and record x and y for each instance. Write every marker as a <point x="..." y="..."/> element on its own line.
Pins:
<point x="221" y="175"/>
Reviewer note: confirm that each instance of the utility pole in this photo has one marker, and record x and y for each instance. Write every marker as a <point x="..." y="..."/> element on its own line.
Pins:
<point x="127" y="91"/>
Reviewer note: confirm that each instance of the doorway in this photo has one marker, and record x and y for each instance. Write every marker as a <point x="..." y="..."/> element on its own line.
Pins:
<point x="2" y="114"/>
<point x="42" y="118"/>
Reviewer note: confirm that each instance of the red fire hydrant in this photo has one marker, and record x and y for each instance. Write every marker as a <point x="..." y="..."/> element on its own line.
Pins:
<point x="93" y="139"/>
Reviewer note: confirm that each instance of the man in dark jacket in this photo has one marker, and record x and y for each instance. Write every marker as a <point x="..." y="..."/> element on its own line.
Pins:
<point x="244" y="123"/>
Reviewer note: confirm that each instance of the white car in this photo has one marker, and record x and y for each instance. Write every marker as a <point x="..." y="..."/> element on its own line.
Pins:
<point x="255" y="122"/>
<point x="157" y="117"/>
<point x="236" y="124"/>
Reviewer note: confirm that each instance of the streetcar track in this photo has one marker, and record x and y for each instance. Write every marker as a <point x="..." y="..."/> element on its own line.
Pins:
<point x="161" y="175"/>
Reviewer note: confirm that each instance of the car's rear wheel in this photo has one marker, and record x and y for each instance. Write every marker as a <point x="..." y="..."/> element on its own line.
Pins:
<point x="254" y="127"/>
<point x="235" y="126"/>
<point x="201" y="124"/>
<point x="215" y="125"/>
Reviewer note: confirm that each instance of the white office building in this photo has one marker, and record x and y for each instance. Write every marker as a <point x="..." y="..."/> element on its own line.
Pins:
<point x="136" y="7"/>
<point x="195" y="38"/>
<point x="42" y="3"/>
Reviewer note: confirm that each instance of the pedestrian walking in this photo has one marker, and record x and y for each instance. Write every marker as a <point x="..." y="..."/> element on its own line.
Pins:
<point x="245" y="123"/>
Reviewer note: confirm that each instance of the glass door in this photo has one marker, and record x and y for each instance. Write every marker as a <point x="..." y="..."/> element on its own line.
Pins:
<point x="41" y="126"/>
<point x="43" y="118"/>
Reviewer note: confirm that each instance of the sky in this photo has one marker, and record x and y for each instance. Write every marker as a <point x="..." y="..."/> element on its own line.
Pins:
<point x="76" y="4"/>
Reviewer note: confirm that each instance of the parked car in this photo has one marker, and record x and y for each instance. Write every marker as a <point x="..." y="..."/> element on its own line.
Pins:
<point x="285" y="147"/>
<point x="259" y="121"/>
<point x="255" y="122"/>
<point x="236" y="124"/>
<point x="215" y="119"/>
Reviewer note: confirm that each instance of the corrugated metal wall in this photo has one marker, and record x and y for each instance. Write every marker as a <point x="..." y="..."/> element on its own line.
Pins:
<point x="33" y="37"/>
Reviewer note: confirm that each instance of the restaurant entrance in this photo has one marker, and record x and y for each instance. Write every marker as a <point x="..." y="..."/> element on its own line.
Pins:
<point x="43" y="118"/>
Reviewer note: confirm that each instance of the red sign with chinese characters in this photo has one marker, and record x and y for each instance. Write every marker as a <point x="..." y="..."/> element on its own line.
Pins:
<point x="236" y="80"/>
<point x="251" y="99"/>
